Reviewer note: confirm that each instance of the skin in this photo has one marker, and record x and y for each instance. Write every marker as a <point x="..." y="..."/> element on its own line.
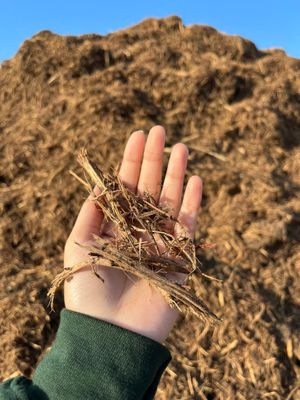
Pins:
<point x="123" y="300"/>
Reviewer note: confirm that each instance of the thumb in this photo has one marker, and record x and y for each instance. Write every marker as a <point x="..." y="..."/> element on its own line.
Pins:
<point x="89" y="219"/>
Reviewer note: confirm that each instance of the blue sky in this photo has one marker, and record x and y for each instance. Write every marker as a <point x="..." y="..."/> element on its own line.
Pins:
<point x="269" y="23"/>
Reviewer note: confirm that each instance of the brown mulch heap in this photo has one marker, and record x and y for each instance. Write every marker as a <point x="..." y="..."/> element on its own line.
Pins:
<point x="238" y="110"/>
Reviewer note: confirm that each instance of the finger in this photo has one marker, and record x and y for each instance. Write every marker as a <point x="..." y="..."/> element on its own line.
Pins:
<point x="151" y="171"/>
<point x="130" y="169"/>
<point x="88" y="221"/>
<point x="173" y="184"/>
<point x="189" y="210"/>
<point x="132" y="159"/>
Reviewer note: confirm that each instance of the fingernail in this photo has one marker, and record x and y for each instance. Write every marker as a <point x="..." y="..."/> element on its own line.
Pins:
<point x="139" y="131"/>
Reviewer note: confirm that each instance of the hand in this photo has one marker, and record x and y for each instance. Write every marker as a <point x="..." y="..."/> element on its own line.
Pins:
<point x="132" y="303"/>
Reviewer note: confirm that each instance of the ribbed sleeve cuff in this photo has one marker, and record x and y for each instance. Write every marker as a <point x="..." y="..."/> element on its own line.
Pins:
<point x="93" y="359"/>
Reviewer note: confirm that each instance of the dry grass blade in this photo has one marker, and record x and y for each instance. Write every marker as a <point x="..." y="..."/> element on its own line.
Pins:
<point x="141" y="246"/>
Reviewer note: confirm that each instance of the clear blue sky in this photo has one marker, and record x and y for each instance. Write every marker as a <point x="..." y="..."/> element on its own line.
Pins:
<point x="269" y="23"/>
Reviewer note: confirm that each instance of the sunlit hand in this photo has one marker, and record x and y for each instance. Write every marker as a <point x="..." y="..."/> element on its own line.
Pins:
<point x="132" y="303"/>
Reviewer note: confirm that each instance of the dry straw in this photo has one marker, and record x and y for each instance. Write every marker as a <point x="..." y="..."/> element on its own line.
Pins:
<point x="141" y="245"/>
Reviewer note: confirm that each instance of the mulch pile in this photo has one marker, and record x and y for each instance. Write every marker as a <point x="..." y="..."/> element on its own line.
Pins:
<point x="238" y="110"/>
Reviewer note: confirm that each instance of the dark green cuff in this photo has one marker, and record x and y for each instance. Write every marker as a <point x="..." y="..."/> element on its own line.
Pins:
<point x="21" y="388"/>
<point x="93" y="359"/>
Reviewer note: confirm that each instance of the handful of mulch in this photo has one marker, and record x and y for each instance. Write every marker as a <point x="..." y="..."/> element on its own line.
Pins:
<point x="141" y="245"/>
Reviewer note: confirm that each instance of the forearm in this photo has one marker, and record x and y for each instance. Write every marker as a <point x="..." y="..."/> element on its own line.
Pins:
<point x="93" y="359"/>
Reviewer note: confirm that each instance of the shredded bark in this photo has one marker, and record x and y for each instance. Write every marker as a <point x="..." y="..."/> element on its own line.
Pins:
<point x="141" y="244"/>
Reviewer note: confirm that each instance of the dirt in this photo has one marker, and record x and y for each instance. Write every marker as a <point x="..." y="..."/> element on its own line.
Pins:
<point x="238" y="110"/>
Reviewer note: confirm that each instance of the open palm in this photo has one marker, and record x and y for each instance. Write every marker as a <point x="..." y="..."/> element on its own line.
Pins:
<point x="122" y="300"/>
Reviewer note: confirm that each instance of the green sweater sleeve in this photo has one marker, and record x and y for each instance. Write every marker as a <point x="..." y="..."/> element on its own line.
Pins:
<point x="93" y="359"/>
